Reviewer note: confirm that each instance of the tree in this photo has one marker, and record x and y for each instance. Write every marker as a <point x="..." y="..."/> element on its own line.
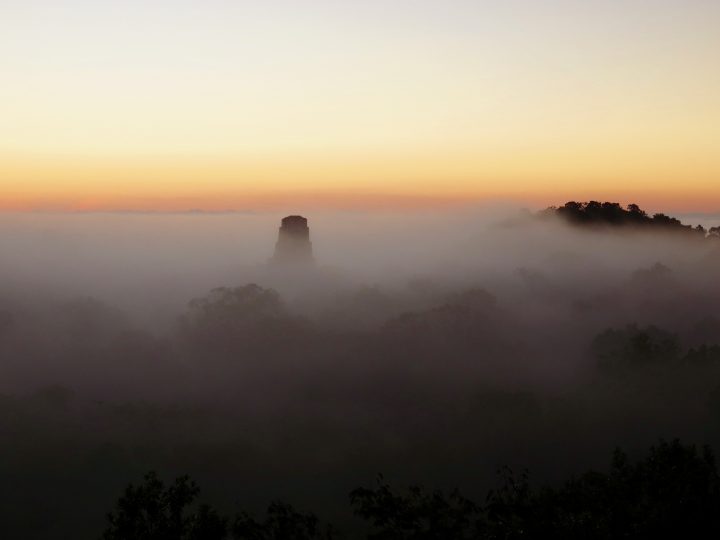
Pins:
<point x="415" y="514"/>
<point x="672" y="492"/>
<point x="595" y="213"/>
<point x="152" y="511"/>
<point x="283" y="522"/>
<point x="232" y="306"/>
<point x="241" y="321"/>
<point x="618" y="351"/>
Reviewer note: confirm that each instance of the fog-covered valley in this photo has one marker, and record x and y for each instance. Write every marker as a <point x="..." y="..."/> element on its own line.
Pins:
<point x="433" y="347"/>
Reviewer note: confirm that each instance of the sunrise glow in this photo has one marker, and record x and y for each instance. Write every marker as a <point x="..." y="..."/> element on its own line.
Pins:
<point x="248" y="105"/>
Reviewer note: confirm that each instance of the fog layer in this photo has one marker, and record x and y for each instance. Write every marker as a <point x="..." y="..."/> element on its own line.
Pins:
<point x="432" y="347"/>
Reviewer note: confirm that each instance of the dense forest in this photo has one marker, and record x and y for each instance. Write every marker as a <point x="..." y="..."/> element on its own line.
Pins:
<point x="594" y="213"/>
<point x="672" y="492"/>
<point x="444" y="349"/>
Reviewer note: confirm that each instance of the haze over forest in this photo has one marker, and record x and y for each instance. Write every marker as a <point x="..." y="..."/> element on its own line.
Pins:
<point x="430" y="347"/>
<point x="478" y="305"/>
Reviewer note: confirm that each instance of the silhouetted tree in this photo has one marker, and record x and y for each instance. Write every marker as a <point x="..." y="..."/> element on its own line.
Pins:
<point x="415" y="514"/>
<point x="152" y="511"/>
<point x="673" y="492"/>
<point x="613" y="214"/>
<point x="283" y="522"/>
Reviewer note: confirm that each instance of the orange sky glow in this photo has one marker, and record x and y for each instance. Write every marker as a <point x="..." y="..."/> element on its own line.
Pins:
<point x="160" y="106"/>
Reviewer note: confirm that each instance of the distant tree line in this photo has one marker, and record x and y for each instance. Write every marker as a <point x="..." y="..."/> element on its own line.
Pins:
<point x="620" y="351"/>
<point x="672" y="492"/>
<point x="594" y="213"/>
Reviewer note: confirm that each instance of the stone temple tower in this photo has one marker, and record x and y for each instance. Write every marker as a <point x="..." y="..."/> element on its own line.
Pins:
<point x="293" y="245"/>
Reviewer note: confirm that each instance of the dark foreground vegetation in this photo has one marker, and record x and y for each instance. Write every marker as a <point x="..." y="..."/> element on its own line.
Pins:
<point x="673" y="492"/>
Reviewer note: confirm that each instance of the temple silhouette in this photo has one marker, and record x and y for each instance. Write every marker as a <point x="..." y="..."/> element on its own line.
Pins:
<point x="293" y="244"/>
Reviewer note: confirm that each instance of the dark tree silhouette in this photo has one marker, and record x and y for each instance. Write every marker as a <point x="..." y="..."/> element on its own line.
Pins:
<point x="152" y="511"/>
<point x="612" y="214"/>
<point x="283" y="522"/>
<point x="673" y="492"/>
<point x="415" y="515"/>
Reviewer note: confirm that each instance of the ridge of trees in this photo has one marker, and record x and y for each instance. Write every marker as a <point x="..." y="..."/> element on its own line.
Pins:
<point x="594" y="213"/>
<point x="672" y="492"/>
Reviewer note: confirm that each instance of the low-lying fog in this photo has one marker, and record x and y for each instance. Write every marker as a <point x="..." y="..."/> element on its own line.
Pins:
<point x="430" y="346"/>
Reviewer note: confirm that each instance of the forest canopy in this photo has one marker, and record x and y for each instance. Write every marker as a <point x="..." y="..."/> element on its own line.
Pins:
<point x="672" y="492"/>
<point x="432" y="348"/>
<point x="594" y="213"/>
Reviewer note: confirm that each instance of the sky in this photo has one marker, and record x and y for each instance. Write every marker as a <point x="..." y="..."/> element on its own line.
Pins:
<point x="220" y="104"/>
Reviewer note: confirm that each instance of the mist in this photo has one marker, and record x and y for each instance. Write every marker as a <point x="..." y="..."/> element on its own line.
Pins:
<point x="430" y="346"/>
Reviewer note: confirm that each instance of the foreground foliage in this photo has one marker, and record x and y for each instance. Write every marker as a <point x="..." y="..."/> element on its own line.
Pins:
<point x="673" y="492"/>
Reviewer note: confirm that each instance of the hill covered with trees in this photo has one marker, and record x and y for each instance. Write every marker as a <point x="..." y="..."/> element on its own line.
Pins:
<point x="612" y="214"/>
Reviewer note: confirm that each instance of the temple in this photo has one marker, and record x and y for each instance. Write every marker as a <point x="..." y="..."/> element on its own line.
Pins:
<point x="293" y="245"/>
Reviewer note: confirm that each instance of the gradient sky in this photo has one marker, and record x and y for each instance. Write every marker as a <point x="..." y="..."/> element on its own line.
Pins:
<point x="154" y="104"/>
